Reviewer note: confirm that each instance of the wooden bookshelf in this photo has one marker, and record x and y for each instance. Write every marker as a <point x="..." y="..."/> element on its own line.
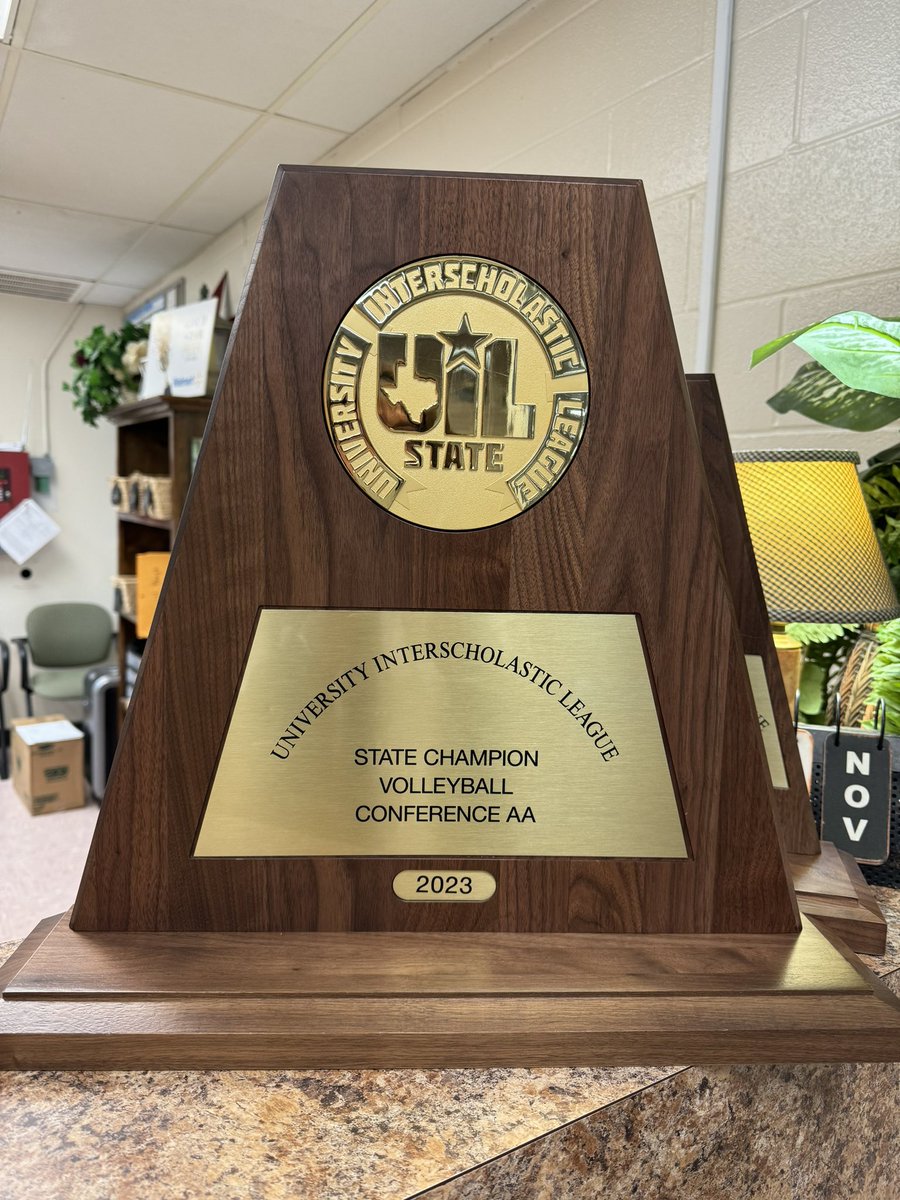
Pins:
<point x="153" y="436"/>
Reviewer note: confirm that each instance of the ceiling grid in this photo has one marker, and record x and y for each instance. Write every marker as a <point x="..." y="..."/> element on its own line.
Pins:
<point x="131" y="136"/>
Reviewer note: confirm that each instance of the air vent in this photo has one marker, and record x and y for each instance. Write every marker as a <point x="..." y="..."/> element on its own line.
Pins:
<point x="40" y="287"/>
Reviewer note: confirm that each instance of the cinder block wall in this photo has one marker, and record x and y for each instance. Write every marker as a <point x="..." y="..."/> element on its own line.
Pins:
<point x="623" y="88"/>
<point x="812" y="211"/>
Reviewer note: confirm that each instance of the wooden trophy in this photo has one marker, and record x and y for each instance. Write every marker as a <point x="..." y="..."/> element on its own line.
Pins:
<point x="443" y="750"/>
<point x="828" y="882"/>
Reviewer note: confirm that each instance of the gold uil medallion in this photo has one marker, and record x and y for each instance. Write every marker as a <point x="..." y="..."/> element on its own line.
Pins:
<point x="456" y="392"/>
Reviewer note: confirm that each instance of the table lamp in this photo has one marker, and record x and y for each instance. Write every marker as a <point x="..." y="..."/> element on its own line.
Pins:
<point x="817" y="553"/>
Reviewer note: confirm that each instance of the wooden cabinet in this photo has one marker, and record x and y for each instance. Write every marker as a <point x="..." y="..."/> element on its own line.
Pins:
<point x="154" y="437"/>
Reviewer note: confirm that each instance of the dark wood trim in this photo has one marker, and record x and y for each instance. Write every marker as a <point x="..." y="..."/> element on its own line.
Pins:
<point x="154" y="408"/>
<point x="150" y="522"/>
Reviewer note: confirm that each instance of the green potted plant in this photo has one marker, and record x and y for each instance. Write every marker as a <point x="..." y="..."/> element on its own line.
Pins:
<point x="107" y="369"/>
<point x="852" y="382"/>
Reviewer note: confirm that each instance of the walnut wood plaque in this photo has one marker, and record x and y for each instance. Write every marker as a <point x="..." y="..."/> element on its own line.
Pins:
<point x="792" y="808"/>
<point x="828" y="884"/>
<point x="560" y="429"/>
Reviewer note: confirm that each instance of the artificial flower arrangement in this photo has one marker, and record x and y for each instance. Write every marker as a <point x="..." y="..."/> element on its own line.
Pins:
<point x="107" y="367"/>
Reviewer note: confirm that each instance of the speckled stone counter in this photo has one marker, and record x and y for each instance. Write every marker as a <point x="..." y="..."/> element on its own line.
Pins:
<point x="764" y="1132"/>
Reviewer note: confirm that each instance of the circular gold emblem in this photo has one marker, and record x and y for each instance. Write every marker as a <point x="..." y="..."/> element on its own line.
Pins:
<point x="456" y="392"/>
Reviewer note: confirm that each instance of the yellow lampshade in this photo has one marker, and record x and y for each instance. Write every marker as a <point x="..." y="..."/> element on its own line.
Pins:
<point x="816" y="550"/>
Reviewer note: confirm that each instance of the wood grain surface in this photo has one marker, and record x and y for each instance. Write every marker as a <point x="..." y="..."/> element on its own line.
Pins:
<point x="792" y="808"/>
<point x="831" y="888"/>
<point x="385" y="1034"/>
<point x="126" y="965"/>
<point x="825" y="873"/>
<point x="272" y="518"/>
<point x="829" y="885"/>
<point x="384" y="1018"/>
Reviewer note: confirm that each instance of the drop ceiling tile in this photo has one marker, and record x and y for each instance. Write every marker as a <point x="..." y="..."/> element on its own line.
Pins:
<point x="390" y="54"/>
<point x="245" y="178"/>
<point x="111" y="294"/>
<point x="247" y="53"/>
<point x="106" y="144"/>
<point x="161" y="249"/>
<point x="55" y="241"/>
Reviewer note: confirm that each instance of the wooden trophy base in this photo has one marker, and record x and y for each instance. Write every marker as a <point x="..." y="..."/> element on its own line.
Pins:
<point x="385" y="1000"/>
<point x="830" y="887"/>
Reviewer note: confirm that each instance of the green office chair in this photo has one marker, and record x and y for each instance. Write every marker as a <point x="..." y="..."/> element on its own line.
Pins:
<point x="63" y="641"/>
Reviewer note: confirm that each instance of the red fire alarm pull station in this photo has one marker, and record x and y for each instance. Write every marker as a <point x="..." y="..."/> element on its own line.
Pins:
<point x="15" y="479"/>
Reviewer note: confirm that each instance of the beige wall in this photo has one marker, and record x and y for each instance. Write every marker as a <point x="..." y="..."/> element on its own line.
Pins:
<point x="78" y="564"/>
<point x="622" y="88"/>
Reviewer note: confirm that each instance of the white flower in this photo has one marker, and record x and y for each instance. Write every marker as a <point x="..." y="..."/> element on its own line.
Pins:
<point x="131" y="358"/>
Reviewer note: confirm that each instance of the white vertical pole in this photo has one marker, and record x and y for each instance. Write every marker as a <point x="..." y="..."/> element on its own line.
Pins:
<point x="715" y="184"/>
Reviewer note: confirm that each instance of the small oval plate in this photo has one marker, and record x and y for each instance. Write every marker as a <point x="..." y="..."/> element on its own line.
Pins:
<point x="444" y="887"/>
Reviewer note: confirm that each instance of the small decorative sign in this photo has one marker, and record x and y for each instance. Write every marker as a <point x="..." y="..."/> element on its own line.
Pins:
<point x="180" y="350"/>
<point x="856" y="794"/>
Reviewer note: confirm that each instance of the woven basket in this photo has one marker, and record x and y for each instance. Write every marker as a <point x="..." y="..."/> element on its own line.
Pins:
<point x="156" y="497"/>
<point x="118" y="492"/>
<point x="125" y="595"/>
<point x="133" y="486"/>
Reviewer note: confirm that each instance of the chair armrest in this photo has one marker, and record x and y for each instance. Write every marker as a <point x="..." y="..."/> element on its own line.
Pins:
<point x="4" y="666"/>
<point x="21" y="644"/>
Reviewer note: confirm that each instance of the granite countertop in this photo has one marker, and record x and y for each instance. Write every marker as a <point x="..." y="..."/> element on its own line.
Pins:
<point x="769" y="1132"/>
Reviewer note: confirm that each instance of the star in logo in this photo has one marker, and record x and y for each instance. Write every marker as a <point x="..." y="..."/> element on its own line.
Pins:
<point x="463" y="341"/>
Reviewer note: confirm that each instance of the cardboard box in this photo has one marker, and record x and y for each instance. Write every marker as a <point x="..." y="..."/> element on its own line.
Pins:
<point x="47" y="763"/>
<point x="151" y="571"/>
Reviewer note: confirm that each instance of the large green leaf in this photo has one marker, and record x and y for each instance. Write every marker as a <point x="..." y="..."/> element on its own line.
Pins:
<point x="761" y="353"/>
<point x="861" y="350"/>
<point x="817" y="394"/>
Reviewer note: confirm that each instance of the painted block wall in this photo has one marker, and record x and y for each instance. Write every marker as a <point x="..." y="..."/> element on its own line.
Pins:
<point x="622" y="88"/>
<point x="78" y="564"/>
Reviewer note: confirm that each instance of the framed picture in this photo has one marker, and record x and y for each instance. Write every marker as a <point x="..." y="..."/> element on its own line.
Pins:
<point x="171" y="296"/>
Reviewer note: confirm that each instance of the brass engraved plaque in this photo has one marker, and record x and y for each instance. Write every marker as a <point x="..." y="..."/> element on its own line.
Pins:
<point x="456" y="392"/>
<point x="444" y="887"/>
<point x="417" y="734"/>
<point x="763" y="701"/>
